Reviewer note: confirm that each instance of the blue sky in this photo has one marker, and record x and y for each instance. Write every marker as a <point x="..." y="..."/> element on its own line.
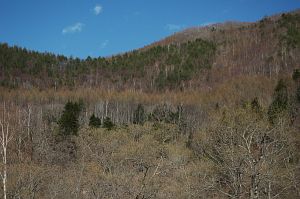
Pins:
<point x="95" y="28"/>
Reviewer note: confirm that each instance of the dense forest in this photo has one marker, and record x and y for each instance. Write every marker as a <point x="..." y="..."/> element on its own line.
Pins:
<point x="209" y="112"/>
<point x="174" y="64"/>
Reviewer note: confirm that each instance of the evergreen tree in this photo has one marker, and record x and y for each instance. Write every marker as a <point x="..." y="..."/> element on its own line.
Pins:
<point x="94" y="121"/>
<point x="280" y="101"/>
<point x="298" y="94"/>
<point x="296" y="78"/>
<point x="108" y="124"/>
<point x="68" y="122"/>
<point x="296" y="74"/>
<point x="139" y="116"/>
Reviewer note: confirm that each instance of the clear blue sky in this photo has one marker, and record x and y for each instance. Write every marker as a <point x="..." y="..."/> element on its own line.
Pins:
<point x="105" y="27"/>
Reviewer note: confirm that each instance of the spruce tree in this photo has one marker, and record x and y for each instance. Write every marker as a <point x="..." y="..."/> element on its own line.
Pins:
<point x="69" y="122"/>
<point x="139" y="116"/>
<point x="95" y="121"/>
<point x="108" y="124"/>
<point x="280" y="101"/>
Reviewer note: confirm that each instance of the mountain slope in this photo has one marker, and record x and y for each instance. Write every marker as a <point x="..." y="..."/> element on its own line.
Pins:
<point x="195" y="58"/>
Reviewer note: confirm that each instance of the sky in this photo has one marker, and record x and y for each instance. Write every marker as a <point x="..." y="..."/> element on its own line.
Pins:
<point x="82" y="28"/>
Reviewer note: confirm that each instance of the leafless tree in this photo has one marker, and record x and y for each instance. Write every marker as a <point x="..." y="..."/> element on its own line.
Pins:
<point x="6" y="137"/>
<point x="252" y="157"/>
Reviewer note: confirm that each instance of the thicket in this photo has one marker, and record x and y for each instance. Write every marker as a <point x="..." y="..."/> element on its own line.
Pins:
<point x="166" y="113"/>
<point x="248" y="155"/>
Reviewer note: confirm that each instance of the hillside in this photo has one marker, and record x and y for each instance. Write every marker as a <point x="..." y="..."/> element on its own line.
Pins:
<point x="209" y="112"/>
<point x="192" y="59"/>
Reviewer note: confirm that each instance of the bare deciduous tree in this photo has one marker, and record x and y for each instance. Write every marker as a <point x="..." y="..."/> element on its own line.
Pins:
<point x="252" y="157"/>
<point x="5" y="138"/>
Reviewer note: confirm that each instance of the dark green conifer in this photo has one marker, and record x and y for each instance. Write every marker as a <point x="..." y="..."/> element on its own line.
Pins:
<point x="139" y="116"/>
<point x="94" y="121"/>
<point x="108" y="124"/>
<point x="68" y="122"/>
<point x="280" y="101"/>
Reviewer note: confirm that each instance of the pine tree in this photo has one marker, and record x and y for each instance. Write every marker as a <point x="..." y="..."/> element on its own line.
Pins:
<point x="108" y="124"/>
<point x="296" y="78"/>
<point x="68" y="122"/>
<point x="139" y="115"/>
<point x="95" y="121"/>
<point x="296" y="74"/>
<point x="298" y="94"/>
<point x="280" y="101"/>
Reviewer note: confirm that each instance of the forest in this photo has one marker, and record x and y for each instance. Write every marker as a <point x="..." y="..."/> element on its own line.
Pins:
<point x="210" y="112"/>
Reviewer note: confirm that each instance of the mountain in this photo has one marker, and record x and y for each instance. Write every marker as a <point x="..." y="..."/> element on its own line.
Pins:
<point x="196" y="58"/>
<point x="209" y="112"/>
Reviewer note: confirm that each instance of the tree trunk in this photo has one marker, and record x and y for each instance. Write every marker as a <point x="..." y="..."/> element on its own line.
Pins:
<point x="254" y="184"/>
<point x="4" y="177"/>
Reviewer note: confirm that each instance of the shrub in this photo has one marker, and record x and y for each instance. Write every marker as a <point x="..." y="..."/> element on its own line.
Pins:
<point x="245" y="150"/>
<point x="255" y="106"/>
<point x="166" y="113"/>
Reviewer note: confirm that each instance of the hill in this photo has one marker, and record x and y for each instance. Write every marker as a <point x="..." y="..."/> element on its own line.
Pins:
<point x="192" y="59"/>
<point x="209" y="112"/>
